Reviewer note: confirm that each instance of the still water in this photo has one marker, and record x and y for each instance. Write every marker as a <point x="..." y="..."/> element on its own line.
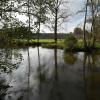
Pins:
<point x="49" y="74"/>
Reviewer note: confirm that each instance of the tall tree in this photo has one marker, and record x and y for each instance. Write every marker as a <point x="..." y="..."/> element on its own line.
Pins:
<point x="41" y="10"/>
<point x="56" y="20"/>
<point x="59" y="13"/>
<point x="93" y="6"/>
<point x="85" y="21"/>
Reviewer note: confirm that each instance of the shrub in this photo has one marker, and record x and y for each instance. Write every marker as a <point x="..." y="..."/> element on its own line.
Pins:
<point x="70" y="41"/>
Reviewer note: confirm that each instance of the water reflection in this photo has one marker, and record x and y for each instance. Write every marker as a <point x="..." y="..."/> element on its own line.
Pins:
<point x="41" y="76"/>
<point x="49" y="74"/>
<point x="3" y="88"/>
<point x="70" y="58"/>
<point x="55" y="93"/>
<point x="92" y="75"/>
<point x="28" y="86"/>
<point x="9" y="61"/>
<point x="56" y="65"/>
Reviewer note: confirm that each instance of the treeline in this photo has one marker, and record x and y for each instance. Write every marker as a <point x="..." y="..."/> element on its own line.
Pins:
<point x="22" y="33"/>
<point x="50" y="36"/>
<point x="79" y="34"/>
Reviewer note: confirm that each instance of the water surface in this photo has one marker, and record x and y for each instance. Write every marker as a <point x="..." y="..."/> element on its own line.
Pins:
<point x="49" y="74"/>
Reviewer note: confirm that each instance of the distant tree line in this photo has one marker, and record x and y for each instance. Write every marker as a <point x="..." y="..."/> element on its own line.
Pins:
<point x="22" y="33"/>
<point x="79" y="33"/>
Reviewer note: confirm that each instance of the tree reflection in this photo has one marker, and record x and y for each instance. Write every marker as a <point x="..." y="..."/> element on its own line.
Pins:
<point x="55" y="93"/>
<point x="92" y="76"/>
<point x="56" y="67"/>
<point x="69" y="58"/>
<point x="9" y="60"/>
<point x="41" y="72"/>
<point x="28" y="86"/>
<point x="3" y="88"/>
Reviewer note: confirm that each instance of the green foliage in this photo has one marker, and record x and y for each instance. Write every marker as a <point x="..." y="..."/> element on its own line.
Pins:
<point x="70" y="41"/>
<point x="80" y="43"/>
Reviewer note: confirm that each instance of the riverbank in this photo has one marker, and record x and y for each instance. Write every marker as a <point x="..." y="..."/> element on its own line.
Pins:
<point x="79" y="47"/>
<point x="50" y="43"/>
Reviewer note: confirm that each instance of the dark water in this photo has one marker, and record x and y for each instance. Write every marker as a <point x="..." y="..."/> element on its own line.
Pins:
<point x="49" y="74"/>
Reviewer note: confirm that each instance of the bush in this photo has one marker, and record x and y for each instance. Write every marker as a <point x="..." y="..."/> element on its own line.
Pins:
<point x="70" y="41"/>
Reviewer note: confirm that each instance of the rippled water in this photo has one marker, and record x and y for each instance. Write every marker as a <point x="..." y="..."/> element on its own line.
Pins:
<point x="49" y="74"/>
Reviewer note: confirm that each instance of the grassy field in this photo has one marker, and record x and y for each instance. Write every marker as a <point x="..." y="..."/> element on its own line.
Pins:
<point x="60" y="44"/>
<point x="48" y="43"/>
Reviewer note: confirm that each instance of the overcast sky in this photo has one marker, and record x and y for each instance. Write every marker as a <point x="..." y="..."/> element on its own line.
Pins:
<point x="73" y="21"/>
<point x="76" y="19"/>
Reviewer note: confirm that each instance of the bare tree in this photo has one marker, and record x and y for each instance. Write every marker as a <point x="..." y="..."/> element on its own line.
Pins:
<point x="85" y="21"/>
<point x="94" y="6"/>
<point x="59" y="13"/>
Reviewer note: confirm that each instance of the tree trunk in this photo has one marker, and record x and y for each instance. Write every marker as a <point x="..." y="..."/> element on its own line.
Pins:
<point x="93" y="24"/>
<point x="29" y="20"/>
<point x="56" y="21"/>
<point x="84" y="31"/>
<point x="39" y="31"/>
<point x="39" y="22"/>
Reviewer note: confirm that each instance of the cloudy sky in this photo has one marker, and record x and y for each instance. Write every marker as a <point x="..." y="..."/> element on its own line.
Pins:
<point x="72" y="22"/>
<point x="76" y="19"/>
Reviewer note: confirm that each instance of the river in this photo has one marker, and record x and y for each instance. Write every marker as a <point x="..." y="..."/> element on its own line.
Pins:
<point x="49" y="74"/>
